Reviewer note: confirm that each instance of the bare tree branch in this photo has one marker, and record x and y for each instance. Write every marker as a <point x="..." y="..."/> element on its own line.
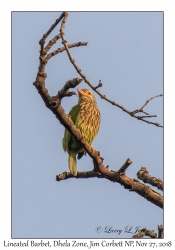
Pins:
<point x="141" y="109"/>
<point x="42" y="41"/>
<point x="160" y="231"/>
<point x="127" y="163"/>
<point x="80" y="175"/>
<point x="54" y="104"/>
<point x="117" y="176"/>
<point x="52" y="42"/>
<point x="144" y="175"/>
<point x="144" y="232"/>
<point x="72" y="60"/>
<point x="62" y="49"/>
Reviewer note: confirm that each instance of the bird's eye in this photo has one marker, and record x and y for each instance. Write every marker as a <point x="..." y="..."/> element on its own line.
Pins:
<point x="89" y="93"/>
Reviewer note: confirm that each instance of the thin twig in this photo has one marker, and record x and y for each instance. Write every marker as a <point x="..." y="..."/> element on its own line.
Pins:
<point x="63" y="48"/>
<point x="99" y="85"/>
<point x="147" y="116"/>
<point x="72" y="60"/>
<point x="127" y="163"/>
<point x="138" y="111"/>
<point x="52" y="42"/>
<point x="42" y="41"/>
<point x="150" y="100"/>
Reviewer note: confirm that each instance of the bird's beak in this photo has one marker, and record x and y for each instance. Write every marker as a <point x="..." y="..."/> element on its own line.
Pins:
<point x="81" y="92"/>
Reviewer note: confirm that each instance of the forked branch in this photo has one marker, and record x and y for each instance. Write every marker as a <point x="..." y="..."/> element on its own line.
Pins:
<point x="144" y="232"/>
<point x="100" y="171"/>
<point x="54" y="104"/>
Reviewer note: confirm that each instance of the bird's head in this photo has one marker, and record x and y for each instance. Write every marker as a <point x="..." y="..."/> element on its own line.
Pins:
<point x="85" y="95"/>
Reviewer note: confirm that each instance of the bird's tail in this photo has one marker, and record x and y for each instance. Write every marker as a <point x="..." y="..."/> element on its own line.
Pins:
<point x="72" y="163"/>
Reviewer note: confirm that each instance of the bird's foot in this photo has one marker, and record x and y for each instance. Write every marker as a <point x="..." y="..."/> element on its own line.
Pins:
<point x="80" y="155"/>
<point x="92" y="149"/>
<point x="81" y="132"/>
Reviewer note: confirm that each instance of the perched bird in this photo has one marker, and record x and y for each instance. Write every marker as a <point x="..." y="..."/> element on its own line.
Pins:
<point x="86" y="116"/>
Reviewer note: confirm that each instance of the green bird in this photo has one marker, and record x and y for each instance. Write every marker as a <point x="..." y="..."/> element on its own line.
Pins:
<point x="86" y="116"/>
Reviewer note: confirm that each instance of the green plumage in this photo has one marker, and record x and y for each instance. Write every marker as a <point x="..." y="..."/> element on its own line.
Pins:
<point x="86" y="116"/>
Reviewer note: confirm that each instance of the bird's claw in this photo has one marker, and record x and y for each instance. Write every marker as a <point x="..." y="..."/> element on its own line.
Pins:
<point x="81" y="132"/>
<point x="81" y="154"/>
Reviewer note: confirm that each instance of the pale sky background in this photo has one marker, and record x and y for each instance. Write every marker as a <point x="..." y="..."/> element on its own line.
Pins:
<point x="125" y="51"/>
<point x="5" y="126"/>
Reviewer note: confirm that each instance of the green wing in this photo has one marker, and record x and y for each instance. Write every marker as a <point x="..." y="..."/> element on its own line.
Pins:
<point x="67" y="136"/>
